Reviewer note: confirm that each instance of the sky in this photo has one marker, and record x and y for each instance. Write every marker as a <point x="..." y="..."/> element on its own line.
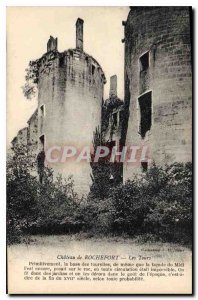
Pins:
<point x="28" y="30"/>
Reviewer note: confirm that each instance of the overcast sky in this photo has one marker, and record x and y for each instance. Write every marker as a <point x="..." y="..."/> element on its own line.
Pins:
<point x="28" y="30"/>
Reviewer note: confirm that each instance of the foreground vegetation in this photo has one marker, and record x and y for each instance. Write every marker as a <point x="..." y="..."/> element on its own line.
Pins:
<point x="155" y="206"/>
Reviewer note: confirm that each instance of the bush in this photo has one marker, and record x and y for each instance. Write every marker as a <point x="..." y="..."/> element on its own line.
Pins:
<point x="57" y="206"/>
<point x="97" y="216"/>
<point x="22" y="207"/>
<point x="38" y="208"/>
<point x="157" y="205"/>
<point x="170" y="216"/>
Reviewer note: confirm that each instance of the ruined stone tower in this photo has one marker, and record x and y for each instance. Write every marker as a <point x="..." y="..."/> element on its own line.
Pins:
<point x="112" y="116"/>
<point x="70" y="93"/>
<point x="158" y="83"/>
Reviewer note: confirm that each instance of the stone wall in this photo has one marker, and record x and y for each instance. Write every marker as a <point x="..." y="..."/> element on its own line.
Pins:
<point x="21" y="139"/>
<point x="70" y="93"/>
<point x="112" y="115"/>
<point x="162" y="33"/>
<point x="32" y="133"/>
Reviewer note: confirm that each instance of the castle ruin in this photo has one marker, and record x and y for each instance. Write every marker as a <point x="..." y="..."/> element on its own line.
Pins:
<point x="157" y="106"/>
<point x="158" y="84"/>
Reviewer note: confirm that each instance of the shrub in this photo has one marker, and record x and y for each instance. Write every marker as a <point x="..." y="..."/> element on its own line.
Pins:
<point x="37" y="208"/>
<point x="21" y="196"/>
<point x="157" y="204"/>
<point x="171" y="213"/>
<point x="97" y="216"/>
<point x="57" y="204"/>
<point x="130" y="207"/>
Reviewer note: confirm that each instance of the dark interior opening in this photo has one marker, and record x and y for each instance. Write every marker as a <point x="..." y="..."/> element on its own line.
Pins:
<point x="42" y="110"/>
<point x="144" y="62"/>
<point x="145" y="113"/>
<point x="110" y="145"/>
<point x="42" y="142"/>
<point x="93" y="69"/>
<point x="61" y="61"/>
<point x="115" y="119"/>
<point x="144" y="165"/>
<point x="41" y="158"/>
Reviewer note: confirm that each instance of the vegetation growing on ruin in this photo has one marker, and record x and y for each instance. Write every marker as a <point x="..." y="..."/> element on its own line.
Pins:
<point x="112" y="103"/>
<point x="31" y="79"/>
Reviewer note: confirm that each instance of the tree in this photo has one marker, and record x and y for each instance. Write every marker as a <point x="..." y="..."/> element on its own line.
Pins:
<point x="21" y="193"/>
<point x="31" y="79"/>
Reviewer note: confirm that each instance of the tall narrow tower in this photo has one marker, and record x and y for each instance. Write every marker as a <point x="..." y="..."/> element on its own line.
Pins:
<point x="79" y="34"/>
<point x="70" y="93"/>
<point x="113" y="86"/>
<point x="158" y="83"/>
